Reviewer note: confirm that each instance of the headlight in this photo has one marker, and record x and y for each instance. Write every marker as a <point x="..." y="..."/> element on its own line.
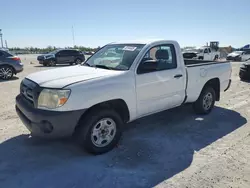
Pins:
<point x="52" y="98"/>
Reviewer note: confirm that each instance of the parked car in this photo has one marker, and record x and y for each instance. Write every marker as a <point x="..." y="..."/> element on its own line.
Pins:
<point x="239" y="56"/>
<point x="235" y="56"/>
<point x="62" y="56"/>
<point x="94" y="101"/>
<point x="9" y="65"/>
<point x="246" y="55"/>
<point x="89" y="53"/>
<point x="245" y="71"/>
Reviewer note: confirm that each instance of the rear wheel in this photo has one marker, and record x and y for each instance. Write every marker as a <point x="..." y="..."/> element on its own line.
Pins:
<point x="205" y="102"/>
<point x="100" y="131"/>
<point x="216" y="57"/>
<point x="6" y="72"/>
<point x="78" y="61"/>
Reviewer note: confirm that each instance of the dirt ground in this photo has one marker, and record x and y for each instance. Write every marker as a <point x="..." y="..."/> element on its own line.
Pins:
<point x="174" y="148"/>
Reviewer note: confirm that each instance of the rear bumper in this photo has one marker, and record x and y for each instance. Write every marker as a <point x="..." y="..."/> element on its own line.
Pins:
<point x="18" y="68"/>
<point x="44" y="123"/>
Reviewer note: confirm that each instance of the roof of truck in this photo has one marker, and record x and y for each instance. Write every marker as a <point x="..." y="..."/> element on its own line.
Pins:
<point x="145" y="41"/>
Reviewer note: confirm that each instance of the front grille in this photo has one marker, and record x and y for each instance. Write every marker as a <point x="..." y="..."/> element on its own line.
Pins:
<point x="40" y="58"/>
<point x="29" y="90"/>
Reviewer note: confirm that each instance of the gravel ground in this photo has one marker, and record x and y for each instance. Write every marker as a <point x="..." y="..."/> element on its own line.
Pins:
<point x="175" y="148"/>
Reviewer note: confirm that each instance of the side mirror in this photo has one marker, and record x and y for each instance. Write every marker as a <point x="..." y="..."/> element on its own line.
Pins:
<point x="148" y="66"/>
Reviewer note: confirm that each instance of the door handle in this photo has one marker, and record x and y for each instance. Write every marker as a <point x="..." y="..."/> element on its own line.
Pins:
<point x="178" y="76"/>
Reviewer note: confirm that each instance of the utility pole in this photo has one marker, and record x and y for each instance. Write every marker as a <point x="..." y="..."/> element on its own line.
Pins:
<point x="73" y="36"/>
<point x="6" y="45"/>
<point x="1" y="37"/>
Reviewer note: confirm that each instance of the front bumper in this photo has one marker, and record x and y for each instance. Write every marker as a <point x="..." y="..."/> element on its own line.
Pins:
<point x="244" y="73"/>
<point x="44" y="61"/>
<point x="44" y="123"/>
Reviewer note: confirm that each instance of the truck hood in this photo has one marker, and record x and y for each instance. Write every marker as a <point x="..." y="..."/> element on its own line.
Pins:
<point x="61" y="77"/>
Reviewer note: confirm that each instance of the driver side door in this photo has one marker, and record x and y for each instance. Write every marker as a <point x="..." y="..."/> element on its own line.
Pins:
<point x="162" y="88"/>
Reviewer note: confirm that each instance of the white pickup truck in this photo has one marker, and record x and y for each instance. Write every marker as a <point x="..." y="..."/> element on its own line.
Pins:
<point x="96" y="99"/>
<point x="203" y="53"/>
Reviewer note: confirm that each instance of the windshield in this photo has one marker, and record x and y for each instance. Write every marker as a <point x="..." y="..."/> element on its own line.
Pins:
<point x="200" y="50"/>
<point x="115" y="56"/>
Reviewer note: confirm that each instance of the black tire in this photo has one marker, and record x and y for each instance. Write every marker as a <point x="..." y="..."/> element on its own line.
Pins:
<point x="45" y="64"/>
<point x="52" y="62"/>
<point x="6" y="72"/>
<point x="86" y="125"/>
<point x="71" y="63"/>
<point x="201" y="106"/>
<point x="78" y="61"/>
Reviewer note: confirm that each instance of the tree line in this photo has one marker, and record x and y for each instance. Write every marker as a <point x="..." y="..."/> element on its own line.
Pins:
<point x="48" y="49"/>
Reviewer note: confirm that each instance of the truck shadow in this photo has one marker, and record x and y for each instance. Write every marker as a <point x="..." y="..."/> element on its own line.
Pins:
<point x="152" y="150"/>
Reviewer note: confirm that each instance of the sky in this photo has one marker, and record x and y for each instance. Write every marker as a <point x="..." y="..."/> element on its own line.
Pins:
<point x="26" y="23"/>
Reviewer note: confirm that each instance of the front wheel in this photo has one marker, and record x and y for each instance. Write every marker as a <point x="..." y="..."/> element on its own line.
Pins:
<point x="205" y="102"/>
<point x="100" y="131"/>
<point x="6" y="72"/>
<point x="52" y="63"/>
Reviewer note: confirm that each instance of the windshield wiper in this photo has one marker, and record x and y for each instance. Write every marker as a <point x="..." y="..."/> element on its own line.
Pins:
<point x="86" y="64"/>
<point x="103" y="66"/>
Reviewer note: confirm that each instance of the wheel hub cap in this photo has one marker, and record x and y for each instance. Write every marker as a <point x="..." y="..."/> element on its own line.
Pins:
<point x="103" y="132"/>
<point x="207" y="101"/>
<point x="5" y="73"/>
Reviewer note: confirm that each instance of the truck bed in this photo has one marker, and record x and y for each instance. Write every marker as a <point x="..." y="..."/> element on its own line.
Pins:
<point x="198" y="62"/>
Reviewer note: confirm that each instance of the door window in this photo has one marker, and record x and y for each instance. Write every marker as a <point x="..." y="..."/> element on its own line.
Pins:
<point x="72" y="53"/>
<point x="63" y="53"/>
<point x="158" y="58"/>
<point x="205" y="51"/>
<point x="209" y="50"/>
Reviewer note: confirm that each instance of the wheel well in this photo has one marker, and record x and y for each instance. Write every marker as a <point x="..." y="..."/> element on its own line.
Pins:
<point x="117" y="105"/>
<point x="215" y="84"/>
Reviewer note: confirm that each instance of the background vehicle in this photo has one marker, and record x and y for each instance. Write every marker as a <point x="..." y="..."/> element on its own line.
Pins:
<point x="89" y="53"/>
<point x="204" y="53"/>
<point x="245" y="71"/>
<point x="62" y="57"/>
<point x="235" y="56"/>
<point x="239" y="56"/>
<point x="246" y="55"/>
<point x="9" y="65"/>
<point x="94" y="100"/>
